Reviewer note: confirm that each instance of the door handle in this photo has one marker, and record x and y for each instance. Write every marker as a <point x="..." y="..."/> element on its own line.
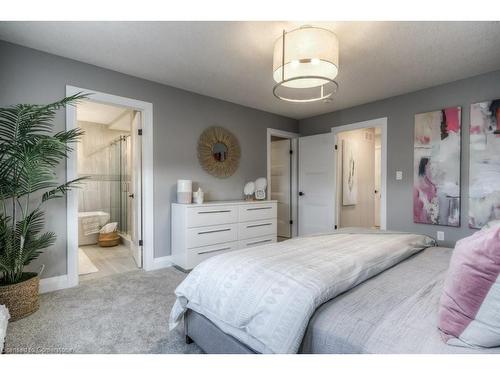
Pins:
<point x="131" y="195"/>
<point x="301" y="193"/>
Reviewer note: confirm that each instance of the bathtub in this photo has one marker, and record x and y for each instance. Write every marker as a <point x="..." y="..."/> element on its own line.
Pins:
<point x="84" y="218"/>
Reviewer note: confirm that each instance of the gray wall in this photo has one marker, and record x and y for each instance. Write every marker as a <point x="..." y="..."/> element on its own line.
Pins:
<point x="400" y="111"/>
<point x="29" y="76"/>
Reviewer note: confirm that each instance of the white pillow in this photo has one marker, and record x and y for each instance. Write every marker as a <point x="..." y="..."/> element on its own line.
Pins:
<point x="4" y="318"/>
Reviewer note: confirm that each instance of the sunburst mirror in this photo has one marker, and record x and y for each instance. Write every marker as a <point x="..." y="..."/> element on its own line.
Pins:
<point x="218" y="151"/>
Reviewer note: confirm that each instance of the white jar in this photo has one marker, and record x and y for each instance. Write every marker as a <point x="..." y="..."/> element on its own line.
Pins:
<point x="198" y="196"/>
<point x="184" y="191"/>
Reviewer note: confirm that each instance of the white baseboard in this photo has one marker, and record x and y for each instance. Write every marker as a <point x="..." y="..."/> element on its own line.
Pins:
<point x="161" y="262"/>
<point x="54" y="283"/>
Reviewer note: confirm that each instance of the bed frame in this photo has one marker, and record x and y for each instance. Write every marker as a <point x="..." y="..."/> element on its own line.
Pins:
<point x="209" y="337"/>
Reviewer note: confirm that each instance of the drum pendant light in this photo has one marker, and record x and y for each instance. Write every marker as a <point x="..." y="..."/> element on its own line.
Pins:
<point x="305" y="64"/>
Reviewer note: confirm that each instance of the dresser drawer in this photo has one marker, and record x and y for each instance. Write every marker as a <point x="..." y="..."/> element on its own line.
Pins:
<point x="255" y="229"/>
<point x="257" y="211"/>
<point x="215" y="234"/>
<point x="257" y="241"/>
<point x="215" y="215"/>
<point x="199" y="254"/>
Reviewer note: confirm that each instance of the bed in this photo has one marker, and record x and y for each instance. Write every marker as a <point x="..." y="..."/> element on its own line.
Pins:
<point x="394" y="311"/>
<point x="4" y="319"/>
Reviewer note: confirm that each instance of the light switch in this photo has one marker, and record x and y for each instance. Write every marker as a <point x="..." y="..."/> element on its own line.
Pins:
<point x="399" y="175"/>
<point x="440" y="235"/>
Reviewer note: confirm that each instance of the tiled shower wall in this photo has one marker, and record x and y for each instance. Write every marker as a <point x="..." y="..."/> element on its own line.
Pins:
<point x="98" y="159"/>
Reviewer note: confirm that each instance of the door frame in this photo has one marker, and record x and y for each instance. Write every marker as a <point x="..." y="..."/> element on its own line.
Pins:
<point x="380" y="123"/>
<point x="294" y="192"/>
<point x="147" y="179"/>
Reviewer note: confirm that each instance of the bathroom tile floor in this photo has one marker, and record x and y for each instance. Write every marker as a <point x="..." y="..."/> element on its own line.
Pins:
<point x="108" y="260"/>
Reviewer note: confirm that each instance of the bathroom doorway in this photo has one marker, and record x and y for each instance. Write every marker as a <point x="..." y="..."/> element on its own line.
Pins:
<point x="109" y="199"/>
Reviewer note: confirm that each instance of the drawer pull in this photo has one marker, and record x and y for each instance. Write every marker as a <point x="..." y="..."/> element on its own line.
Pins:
<point x="214" y="250"/>
<point x="259" y="225"/>
<point x="258" y="208"/>
<point x="213" y="212"/>
<point x="215" y="231"/>
<point x="257" y="242"/>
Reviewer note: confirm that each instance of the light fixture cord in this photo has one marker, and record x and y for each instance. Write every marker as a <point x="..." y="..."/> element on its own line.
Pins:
<point x="283" y="58"/>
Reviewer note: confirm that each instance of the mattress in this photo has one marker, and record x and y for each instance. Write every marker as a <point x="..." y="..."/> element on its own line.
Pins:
<point x="393" y="312"/>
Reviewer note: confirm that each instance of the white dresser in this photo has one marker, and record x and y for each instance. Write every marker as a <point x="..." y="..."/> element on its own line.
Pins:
<point x="200" y="231"/>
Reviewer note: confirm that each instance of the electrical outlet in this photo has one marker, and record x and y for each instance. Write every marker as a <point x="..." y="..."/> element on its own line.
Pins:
<point x="399" y="175"/>
<point x="440" y="235"/>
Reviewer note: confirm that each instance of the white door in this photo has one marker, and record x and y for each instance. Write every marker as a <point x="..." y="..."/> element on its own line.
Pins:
<point x="316" y="184"/>
<point x="280" y="184"/>
<point x="378" y="184"/>
<point x="136" y="189"/>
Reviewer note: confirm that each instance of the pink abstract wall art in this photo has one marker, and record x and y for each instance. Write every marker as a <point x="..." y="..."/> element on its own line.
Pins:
<point x="436" y="178"/>
<point x="484" y="167"/>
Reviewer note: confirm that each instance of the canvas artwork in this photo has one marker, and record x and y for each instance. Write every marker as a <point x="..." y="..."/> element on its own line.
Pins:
<point x="484" y="167"/>
<point x="436" y="179"/>
<point x="349" y="174"/>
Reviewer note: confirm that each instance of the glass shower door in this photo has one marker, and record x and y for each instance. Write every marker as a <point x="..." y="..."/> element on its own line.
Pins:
<point x="120" y="183"/>
<point x="125" y="185"/>
<point x="114" y="181"/>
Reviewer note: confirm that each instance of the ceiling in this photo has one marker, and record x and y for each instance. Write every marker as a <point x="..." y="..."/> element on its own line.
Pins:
<point x="233" y="60"/>
<point x="116" y="117"/>
<point x="99" y="113"/>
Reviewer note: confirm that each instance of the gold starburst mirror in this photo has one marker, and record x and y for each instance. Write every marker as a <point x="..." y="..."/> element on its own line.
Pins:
<point x="218" y="151"/>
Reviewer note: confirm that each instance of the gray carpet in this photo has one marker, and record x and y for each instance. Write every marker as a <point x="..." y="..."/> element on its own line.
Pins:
<point x="123" y="313"/>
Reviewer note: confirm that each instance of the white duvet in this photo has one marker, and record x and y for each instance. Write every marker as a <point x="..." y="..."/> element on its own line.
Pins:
<point x="4" y="319"/>
<point x="264" y="296"/>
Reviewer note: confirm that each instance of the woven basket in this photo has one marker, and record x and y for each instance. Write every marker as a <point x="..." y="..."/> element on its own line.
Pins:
<point x="22" y="298"/>
<point x="109" y="239"/>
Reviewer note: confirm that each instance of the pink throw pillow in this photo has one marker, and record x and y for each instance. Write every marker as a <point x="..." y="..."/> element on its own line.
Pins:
<point x="469" y="310"/>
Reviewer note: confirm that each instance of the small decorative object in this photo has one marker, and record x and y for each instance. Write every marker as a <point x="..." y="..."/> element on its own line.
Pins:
<point x="31" y="153"/>
<point x="198" y="196"/>
<point x="484" y="169"/>
<point x="260" y="188"/>
<point x="218" y="152"/>
<point x="184" y="191"/>
<point x="436" y="176"/>
<point x="108" y="235"/>
<point x="249" y="190"/>
<point x="349" y="174"/>
<point x="109" y="239"/>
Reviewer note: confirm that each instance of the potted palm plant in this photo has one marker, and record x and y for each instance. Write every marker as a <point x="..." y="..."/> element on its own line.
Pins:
<point x="30" y="151"/>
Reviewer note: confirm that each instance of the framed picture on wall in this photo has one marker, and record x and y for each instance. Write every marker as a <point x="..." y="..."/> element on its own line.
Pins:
<point x="349" y="174"/>
<point x="436" y="178"/>
<point x="484" y="163"/>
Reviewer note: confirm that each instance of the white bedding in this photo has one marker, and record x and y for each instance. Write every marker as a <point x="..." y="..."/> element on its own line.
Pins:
<point x="265" y="296"/>
<point x="4" y="319"/>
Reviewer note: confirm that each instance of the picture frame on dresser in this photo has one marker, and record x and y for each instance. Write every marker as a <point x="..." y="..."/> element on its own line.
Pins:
<point x="201" y="231"/>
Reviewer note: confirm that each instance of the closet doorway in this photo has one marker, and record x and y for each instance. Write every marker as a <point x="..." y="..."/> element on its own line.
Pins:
<point x="360" y="174"/>
<point x="282" y="179"/>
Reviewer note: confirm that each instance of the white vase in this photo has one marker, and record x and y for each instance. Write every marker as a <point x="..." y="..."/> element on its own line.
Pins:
<point x="184" y="191"/>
